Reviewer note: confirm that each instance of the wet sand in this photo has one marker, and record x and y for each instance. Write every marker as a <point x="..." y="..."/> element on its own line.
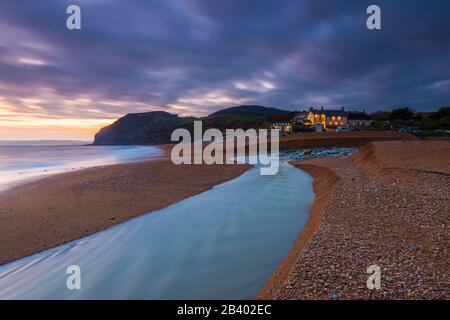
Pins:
<point x="64" y="207"/>
<point x="387" y="205"/>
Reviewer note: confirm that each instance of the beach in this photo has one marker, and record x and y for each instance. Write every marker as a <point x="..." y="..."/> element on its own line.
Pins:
<point x="339" y="139"/>
<point x="387" y="205"/>
<point x="60" y="208"/>
<point x="221" y="244"/>
<point x="64" y="207"/>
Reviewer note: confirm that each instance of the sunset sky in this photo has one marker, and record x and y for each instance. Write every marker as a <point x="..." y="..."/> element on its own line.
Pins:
<point x="193" y="57"/>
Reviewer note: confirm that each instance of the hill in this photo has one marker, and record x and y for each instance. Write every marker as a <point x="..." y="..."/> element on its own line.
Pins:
<point x="139" y="128"/>
<point x="156" y="127"/>
<point x="250" y="111"/>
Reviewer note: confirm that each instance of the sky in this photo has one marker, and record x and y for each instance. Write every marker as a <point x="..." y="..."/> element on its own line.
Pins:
<point x="193" y="57"/>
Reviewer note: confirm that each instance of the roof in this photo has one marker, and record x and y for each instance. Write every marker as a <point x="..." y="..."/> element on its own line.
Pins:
<point x="330" y="113"/>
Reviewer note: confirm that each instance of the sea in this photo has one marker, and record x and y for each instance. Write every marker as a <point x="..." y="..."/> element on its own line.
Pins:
<point x="24" y="161"/>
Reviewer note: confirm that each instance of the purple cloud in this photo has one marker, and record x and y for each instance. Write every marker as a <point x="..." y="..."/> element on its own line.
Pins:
<point x="194" y="57"/>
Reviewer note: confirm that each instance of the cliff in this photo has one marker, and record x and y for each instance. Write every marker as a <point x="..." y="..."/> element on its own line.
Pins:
<point x="156" y="127"/>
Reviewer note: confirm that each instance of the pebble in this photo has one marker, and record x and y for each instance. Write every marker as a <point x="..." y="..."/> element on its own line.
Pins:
<point x="380" y="219"/>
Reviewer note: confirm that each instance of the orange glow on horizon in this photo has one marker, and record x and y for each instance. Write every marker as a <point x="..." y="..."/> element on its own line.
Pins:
<point x="37" y="125"/>
<point x="51" y="129"/>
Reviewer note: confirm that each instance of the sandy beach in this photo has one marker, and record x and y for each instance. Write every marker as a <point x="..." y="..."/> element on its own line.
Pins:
<point x="387" y="205"/>
<point x="64" y="207"/>
<point x="54" y="210"/>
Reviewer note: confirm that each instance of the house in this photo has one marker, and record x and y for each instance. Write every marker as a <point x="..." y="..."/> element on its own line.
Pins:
<point x="284" y="127"/>
<point x="359" y="119"/>
<point x="328" y="118"/>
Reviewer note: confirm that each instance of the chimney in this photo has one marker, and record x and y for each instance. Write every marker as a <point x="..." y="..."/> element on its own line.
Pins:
<point x="343" y="109"/>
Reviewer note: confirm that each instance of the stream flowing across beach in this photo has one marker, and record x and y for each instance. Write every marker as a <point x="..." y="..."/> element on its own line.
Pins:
<point x="221" y="244"/>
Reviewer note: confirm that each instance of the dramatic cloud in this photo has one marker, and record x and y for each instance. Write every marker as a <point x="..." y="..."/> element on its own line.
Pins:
<point x="196" y="56"/>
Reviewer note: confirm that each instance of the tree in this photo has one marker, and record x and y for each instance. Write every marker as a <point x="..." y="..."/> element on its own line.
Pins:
<point x="442" y="113"/>
<point x="380" y="116"/>
<point x="401" y="114"/>
<point x="444" y="123"/>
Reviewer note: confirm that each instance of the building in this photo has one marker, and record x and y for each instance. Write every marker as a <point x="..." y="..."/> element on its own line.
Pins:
<point x="284" y="127"/>
<point x="328" y="118"/>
